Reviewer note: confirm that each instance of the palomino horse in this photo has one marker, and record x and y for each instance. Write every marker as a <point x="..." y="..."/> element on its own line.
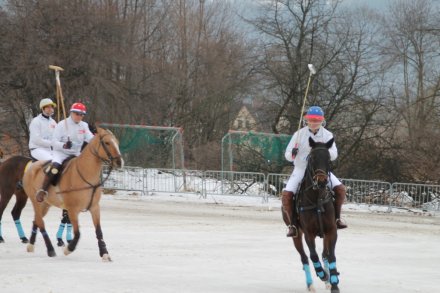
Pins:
<point x="314" y="206"/>
<point x="11" y="173"/>
<point x="78" y="189"/>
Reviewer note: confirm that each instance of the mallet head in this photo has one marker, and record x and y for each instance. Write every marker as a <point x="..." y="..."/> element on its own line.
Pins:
<point x="312" y="69"/>
<point x="56" y="68"/>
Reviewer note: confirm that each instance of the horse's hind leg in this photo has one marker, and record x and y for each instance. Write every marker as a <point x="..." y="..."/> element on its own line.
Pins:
<point x="315" y="259"/>
<point x="297" y="241"/>
<point x="96" y="215"/>
<point x="40" y="211"/>
<point x="16" y="213"/>
<point x="5" y="197"/>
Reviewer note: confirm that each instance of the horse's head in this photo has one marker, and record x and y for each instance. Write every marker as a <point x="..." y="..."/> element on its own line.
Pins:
<point x="319" y="162"/>
<point x="106" y="148"/>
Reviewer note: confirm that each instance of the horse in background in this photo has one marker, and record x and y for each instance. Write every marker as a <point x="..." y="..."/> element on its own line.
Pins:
<point x="11" y="173"/>
<point x="315" y="209"/>
<point x="78" y="189"/>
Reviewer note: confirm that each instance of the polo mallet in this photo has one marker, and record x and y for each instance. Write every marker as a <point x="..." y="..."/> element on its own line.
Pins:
<point x="59" y="95"/>
<point x="312" y="72"/>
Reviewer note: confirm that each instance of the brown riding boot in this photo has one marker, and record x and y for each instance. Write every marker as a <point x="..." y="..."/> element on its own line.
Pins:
<point x="287" y="201"/>
<point x="50" y="172"/>
<point x="339" y="200"/>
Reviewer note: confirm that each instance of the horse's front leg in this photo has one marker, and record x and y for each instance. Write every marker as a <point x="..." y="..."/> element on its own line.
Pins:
<point x="310" y="240"/>
<point x="334" y="274"/>
<point x="96" y="216"/>
<point x="297" y="241"/>
<point x="73" y="216"/>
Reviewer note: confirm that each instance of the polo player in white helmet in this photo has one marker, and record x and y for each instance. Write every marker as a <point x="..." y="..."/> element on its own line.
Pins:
<point x="41" y="131"/>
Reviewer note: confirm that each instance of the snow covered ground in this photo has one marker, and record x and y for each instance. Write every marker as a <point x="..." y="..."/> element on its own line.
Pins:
<point x="184" y="243"/>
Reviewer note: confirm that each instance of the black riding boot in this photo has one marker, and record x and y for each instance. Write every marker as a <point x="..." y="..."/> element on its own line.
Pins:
<point x="339" y="200"/>
<point x="288" y="210"/>
<point x="51" y="171"/>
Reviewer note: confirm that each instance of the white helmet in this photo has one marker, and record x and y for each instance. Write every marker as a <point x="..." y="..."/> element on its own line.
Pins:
<point x="46" y="102"/>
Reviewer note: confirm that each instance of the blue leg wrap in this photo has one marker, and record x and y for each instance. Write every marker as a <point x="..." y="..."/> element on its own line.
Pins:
<point x="69" y="232"/>
<point x="306" y="269"/>
<point x="44" y="234"/>
<point x="333" y="274"/>
<point x="60" y="230"/>
<point x="19" y="228"/>
<point x="318" y="269"/>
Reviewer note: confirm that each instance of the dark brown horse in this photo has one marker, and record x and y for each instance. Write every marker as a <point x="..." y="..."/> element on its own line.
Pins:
<point x="11" y="173"/>
<point x="78" y="189"/>
<point x="314" y="207"/>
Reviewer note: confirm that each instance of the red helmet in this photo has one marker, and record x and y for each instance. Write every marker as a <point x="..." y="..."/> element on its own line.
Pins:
<point x="78" y="108"/>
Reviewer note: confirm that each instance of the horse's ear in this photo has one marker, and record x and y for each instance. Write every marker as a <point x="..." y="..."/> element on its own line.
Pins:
<point x="312" y="143"/>
<point x="329" y="143"/>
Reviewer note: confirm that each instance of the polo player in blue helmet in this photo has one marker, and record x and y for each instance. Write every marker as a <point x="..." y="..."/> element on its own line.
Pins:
<point x="297" y="152"/>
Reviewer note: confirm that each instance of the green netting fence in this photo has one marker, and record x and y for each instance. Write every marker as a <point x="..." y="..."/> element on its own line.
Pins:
<point x="254" y="151"/>
<point x="149" y="146"/>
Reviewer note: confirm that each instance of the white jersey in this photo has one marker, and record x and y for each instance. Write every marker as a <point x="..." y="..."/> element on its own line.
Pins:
<point x="302" y="138"/>
<point x="41" y="131"/>
<point x="77" y="133"/>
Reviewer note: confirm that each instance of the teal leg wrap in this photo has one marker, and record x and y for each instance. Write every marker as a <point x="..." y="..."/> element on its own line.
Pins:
<point x="19" y="228"/>
<point x="60" y="230"/>
<point x="306" y="269"/>
<point x="69" y="232"/>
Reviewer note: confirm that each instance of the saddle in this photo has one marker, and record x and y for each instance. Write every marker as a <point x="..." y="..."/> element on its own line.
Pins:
<point x="64" y="166"/>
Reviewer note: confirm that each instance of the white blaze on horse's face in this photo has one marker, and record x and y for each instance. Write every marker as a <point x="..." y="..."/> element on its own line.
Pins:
<point x="116" y="146"/>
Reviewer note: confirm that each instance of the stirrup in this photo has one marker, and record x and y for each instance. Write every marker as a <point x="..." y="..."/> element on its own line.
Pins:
<point x="40" y="197"/>
<point x="340" y="224"/>
<point x="293" y="231"/>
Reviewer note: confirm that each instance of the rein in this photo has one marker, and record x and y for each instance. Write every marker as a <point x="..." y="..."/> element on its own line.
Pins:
<point x="94" y="187"/>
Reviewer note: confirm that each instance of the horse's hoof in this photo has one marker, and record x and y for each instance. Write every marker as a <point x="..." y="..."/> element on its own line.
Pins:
<point x="67" y="251"/>
<point x="60" y="242"/>
<point x="24" y="240"/>
<point x="106" y="258"/>
<point x="311" y="288"/>
<point x="30" y="248"/>
<point x="334" y="289"/>
<point x="51" y="253"/>
<point x="2" y="240"/>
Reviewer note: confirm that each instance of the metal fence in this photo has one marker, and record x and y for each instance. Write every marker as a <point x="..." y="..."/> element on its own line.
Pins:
<point x="147" y="181"/>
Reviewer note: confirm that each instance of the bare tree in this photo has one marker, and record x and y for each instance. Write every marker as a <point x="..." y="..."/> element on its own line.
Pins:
<point x="410" y="54"/>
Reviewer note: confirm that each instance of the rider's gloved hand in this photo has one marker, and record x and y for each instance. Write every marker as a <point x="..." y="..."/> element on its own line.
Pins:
<point x="67" y="145"/>
<point x="294" y="152"/>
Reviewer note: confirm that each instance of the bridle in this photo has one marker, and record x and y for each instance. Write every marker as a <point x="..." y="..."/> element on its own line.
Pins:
<point x="95" y="151"/>
<point x="319" y="176"/>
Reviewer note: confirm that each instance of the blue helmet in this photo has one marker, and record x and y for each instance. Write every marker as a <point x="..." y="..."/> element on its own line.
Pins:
<point x="315" y="112"/>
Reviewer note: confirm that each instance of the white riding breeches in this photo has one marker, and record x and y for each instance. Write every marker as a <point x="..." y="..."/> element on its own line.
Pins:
<point x="298" y="174"/>
<point x="59" y="157"/>
<point x="42" y="154"/>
